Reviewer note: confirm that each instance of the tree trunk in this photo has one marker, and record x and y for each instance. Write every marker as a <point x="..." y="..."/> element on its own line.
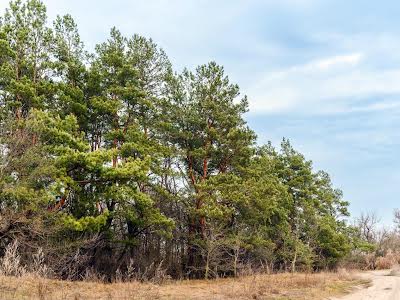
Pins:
<point x="294" y="261"/>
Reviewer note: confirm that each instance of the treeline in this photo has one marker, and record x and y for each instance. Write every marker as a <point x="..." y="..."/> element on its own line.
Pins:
<point x="113" y="163"/>
<point x="375" y="245"/>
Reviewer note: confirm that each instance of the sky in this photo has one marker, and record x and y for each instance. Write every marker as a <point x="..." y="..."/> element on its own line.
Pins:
<point x="323" y="73"/>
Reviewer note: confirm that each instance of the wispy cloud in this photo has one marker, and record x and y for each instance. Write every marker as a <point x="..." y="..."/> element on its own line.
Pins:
<point x="331" y="62"/>
<point x="328" y="84"/>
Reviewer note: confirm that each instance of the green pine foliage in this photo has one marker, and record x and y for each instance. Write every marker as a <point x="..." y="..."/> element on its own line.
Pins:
<point x="110" y="160"/>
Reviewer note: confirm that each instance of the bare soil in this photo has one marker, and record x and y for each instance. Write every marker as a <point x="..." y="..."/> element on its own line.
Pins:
<point x="384" y="285"/>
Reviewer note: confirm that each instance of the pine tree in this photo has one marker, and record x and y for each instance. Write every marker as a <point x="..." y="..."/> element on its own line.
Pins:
<point x="26" y="56"/>
<point x="111" y="161"/>
<point x="207" y="128"/>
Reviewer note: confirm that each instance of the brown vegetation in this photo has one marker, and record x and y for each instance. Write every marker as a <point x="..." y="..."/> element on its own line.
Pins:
<point x="377" y="247"/>
<point x="277" y="286"/>
<point x="33" y="281"/>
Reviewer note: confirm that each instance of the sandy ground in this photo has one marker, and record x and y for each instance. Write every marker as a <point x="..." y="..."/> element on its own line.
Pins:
<point x="385" y="285"/>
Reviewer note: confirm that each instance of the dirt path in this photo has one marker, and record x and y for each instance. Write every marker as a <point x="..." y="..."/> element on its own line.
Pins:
<point x="384" y="286"/>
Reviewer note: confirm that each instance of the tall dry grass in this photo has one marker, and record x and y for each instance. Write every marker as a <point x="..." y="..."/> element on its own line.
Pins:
<point x="33" y="281"/>
<point x="277" y="286"/>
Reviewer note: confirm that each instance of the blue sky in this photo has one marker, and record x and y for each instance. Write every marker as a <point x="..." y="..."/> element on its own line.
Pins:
<point x="325" y="74"/>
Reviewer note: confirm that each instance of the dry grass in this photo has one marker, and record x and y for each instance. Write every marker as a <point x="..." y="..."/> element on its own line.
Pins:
<point x="279" y="286"/>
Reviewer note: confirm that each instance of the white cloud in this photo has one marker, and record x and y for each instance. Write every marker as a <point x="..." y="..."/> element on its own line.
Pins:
<point x="324" y="85"/>
<point x="384" y="105"/>
<point x="194" y="32"/>
<point x="327" y="63"/>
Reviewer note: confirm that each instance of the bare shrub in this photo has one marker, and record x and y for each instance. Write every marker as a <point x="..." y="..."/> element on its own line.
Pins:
<point x="92" y="276"/>
<point x="388" y="261"/>
<point x="130" y="270"/>
<point x="247" y="270"/>
<point x="154" y="273"/>
<point x="383" y="263"/>
<point x="160" y="274"/>
<point x="39" y="266"/>
<point x="71" y="266"/>
<point x="10" y="263"/>
<point x="119" y="277"/>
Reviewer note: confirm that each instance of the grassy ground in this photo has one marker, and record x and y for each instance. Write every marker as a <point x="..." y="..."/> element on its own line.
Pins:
<point x="279" y="286"/>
